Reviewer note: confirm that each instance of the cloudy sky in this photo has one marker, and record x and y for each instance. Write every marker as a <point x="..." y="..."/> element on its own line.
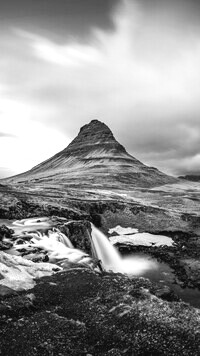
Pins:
<point x="133" y="64"/>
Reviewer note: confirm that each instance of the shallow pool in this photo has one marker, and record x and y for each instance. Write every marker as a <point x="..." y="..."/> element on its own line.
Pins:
<point x="161" y="273"/>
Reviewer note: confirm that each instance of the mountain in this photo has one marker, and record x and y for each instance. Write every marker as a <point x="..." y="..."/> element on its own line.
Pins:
<point x="94" y="159"/>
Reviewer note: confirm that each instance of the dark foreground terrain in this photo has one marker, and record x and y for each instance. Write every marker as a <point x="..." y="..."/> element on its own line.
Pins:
<point x="79" y="312"/>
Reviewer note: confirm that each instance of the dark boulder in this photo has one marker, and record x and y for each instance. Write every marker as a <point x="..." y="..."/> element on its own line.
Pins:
<point x="79" y="234"/>
<point x="5" y="232"/>
<point x="165" y="293"/>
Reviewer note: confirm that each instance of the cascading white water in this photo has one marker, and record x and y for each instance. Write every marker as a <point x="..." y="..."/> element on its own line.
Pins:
<point x="50" y="241"/>
<point x="60" y="237"/>
<point x="109" y="256"/>
<point x="112" y="260"/>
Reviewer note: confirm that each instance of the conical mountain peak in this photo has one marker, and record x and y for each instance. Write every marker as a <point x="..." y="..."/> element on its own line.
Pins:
<point x="95" y="159"/>
<point x="94" y="133"/>
<point x="96" y="125"/>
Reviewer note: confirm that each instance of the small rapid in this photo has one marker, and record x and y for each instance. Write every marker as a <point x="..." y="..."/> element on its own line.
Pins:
<point x="37" y="240"/>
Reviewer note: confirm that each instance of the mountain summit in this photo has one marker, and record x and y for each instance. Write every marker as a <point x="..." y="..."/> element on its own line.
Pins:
<point x="94" y="159"/>
<point x="93" y="137"/>
<point x="94" y="133"/>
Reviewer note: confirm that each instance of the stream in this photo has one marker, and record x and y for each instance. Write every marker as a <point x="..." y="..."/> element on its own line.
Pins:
<point x="134" y="264"/>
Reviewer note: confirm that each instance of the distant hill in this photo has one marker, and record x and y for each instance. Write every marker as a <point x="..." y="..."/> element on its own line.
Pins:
<point x="94" y="158"/>
<point x="191" y="177"/>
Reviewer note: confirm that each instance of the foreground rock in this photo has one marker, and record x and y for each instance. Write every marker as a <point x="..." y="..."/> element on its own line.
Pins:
<point x="78" y="312"/>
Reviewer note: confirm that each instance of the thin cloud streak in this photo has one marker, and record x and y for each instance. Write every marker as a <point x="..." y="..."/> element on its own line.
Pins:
<point x="4" y="134"/>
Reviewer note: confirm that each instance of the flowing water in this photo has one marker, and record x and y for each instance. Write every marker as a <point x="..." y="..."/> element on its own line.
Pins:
<point x="36" y="238"/>
<point x="109" y="256"/>
<point x="30" y="224"/>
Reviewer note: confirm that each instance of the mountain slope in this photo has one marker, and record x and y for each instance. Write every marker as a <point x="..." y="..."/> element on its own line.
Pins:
<point x="94" y="158"/>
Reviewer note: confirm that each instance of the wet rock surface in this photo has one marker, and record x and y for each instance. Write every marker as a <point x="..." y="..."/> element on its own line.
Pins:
<point x="5" y="232"/>
<point x="5" y="237"/>
<point x="81" y="313"/>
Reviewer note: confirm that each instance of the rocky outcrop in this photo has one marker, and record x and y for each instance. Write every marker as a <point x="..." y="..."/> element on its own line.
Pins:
<point x="21" y="209"/>
<point x="94" y="158"/>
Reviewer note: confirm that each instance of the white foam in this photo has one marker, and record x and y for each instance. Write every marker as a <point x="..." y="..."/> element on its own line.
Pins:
<point x="32" y="221"/>
<point x="56" y="249"/>
<point x="135" y="265"/>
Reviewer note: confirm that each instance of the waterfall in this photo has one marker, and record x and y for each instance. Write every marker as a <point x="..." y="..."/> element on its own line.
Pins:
<point x="109" y="256"/>
<point x="111" y="259"/>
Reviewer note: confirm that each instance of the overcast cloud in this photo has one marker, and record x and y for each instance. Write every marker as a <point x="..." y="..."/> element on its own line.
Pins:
<point x="134" y="66"/>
